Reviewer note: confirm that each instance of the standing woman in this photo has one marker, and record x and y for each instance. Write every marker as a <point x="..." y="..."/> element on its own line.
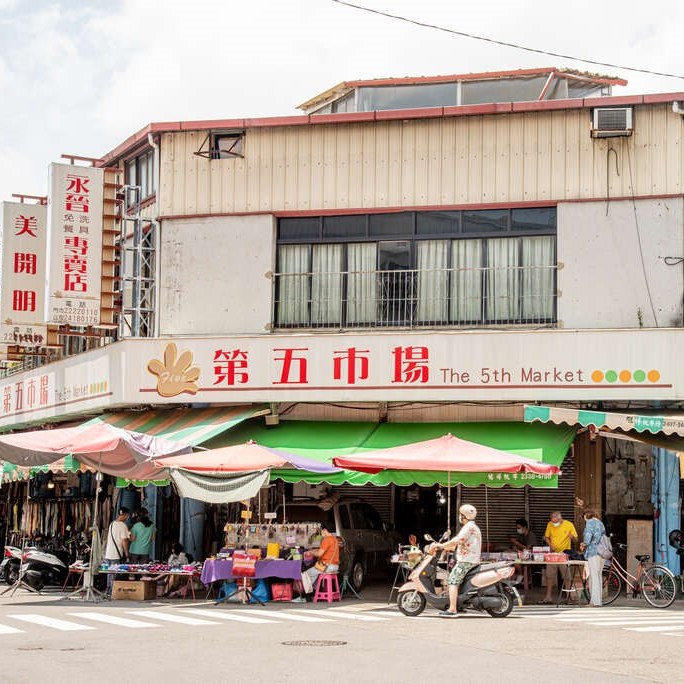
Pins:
<point x="593" y="531"/>
<point x="142" y="536"/>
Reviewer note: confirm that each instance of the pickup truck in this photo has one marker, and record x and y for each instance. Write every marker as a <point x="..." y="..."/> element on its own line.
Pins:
<point x="367" y="543"/>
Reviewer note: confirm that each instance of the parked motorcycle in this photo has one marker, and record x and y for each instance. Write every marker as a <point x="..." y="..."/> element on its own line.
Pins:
<point x="36" y="567"/>
<point x="486" y="588"/>
<point x="9" y="568"/>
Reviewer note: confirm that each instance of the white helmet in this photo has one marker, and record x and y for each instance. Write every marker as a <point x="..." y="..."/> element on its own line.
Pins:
<point x="468" y="512"/>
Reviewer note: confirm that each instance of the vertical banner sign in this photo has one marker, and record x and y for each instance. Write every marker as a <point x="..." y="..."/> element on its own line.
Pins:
<point x="22" y="286"/>
<point x="74" y="244"/>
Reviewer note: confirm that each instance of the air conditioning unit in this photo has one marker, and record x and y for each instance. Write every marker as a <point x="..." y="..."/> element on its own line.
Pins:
<point x="611" y="122"/>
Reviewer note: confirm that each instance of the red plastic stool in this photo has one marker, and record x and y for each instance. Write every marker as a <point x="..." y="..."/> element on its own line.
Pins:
<point x="327" y="588"/>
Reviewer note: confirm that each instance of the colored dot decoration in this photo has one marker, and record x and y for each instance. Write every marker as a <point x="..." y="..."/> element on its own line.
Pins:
<point x="624" y="376"/>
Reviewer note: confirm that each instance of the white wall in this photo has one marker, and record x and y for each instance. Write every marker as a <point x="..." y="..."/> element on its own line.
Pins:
<point x="602" y="281"/>
<point x="213" y="275"/>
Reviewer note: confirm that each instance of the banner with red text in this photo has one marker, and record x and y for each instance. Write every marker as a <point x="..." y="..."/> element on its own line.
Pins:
<point x="22" y="288"/>
<point x="75" y="244"/>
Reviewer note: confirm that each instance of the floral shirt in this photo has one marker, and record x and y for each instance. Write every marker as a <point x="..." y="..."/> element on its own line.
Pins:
<point x="593" y="531"/>
<point x="468" y="543"/>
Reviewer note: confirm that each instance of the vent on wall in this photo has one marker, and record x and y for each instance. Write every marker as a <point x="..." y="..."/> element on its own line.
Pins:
<point x="611" y="122"/>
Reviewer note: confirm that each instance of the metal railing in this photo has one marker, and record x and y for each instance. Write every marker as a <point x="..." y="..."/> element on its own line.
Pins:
<point x="455" y="297"/>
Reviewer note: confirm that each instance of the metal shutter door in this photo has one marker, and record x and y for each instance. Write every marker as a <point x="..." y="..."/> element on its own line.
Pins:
<point x="378" y="497"/>
<point x="543" y="501"/>
<point x="497" y="510"/>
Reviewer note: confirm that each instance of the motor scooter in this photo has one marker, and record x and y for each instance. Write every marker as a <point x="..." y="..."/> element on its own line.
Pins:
<point x="9" y="568"/>
<point x="37" y="568"/>
<point x="486" y="588"/>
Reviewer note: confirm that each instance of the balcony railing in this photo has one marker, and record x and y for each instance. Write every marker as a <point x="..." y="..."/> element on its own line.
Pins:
<point x="464" y="297"/>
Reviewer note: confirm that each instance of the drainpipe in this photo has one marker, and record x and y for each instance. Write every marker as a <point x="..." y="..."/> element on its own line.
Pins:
<point x="156" y="226"/>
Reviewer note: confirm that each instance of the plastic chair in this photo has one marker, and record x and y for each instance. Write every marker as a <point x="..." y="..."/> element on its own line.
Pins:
<point x="327" y="588"/>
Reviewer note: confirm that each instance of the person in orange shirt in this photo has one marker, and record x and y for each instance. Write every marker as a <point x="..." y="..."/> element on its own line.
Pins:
<point x="328" y="555"/>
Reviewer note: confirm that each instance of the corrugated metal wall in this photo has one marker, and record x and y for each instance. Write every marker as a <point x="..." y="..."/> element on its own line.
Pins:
<point x="430" y="162"/>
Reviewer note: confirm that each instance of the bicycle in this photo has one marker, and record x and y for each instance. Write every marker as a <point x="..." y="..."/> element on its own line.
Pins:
<point x="654" y="582"/>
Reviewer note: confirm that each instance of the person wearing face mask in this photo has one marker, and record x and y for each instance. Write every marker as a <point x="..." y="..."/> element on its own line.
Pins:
<point x="524" y="538"/>
<point x="559" y="535"/>
<point x="468" y="546"/>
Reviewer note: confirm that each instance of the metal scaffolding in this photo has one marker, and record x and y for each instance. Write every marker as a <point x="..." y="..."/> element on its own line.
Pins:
<point x="136" y="268"/>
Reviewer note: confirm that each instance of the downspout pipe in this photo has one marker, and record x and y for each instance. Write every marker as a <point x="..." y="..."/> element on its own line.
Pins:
<point x="157" y="230"/>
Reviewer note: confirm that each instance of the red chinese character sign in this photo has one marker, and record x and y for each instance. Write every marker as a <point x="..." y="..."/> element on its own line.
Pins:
<point x="75" y="244"/>
<point x="22" y="290"/>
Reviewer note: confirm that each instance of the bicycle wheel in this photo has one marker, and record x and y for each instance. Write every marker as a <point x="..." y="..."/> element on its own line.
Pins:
<point x="658" y="586"/>
<point x="612" y="586"/>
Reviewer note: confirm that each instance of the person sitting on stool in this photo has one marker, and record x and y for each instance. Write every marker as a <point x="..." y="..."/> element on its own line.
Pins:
<point x="328" y="555"/>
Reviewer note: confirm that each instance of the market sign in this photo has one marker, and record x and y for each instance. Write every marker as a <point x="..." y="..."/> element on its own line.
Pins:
<point x="425" y="366"/>
<point x="22" y="288"/>
<point x="526" y="366"/>
<point x="75" y="215"/>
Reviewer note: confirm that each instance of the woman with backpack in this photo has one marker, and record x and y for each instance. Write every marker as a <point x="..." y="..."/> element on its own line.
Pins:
<point x="593" y="532"/>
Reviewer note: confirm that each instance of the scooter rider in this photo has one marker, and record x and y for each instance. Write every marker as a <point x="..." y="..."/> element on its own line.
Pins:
<point x="468" y="546"/>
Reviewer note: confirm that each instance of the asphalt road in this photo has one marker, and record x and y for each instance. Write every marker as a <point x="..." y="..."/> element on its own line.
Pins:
<point x="44" y="639"/>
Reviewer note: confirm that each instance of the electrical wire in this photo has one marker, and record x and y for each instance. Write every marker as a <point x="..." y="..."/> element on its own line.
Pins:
<point x="504" y="43"/>
<point x="638" y="232"/>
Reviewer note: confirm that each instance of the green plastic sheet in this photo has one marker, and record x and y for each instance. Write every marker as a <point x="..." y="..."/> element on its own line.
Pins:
<point x="323" y="440"/>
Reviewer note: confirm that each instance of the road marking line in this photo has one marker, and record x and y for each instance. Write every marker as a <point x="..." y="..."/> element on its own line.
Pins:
<point x="601" y="618"/>
<point x="170" y="617"/>
<point x="623" y="623"/>
<point x="114" y="620"/>
<point x="654" y="629"/>
<point x="285" y="616"/>
<point x="6" y="629"/>
<point x="227" y="615"/>
<point x="343" y="614"/>
<point x="53" y="623"/>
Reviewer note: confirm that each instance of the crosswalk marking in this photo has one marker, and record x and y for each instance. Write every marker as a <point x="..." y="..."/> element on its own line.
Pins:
<point x="6" y="629"/>
<point x="228" y="615"/>
<point x="114" y="620"/>
<point x="656" y="629"/>
<point x="645" y="621"/>
<point x="171" y="617"/>
<point x="287" y="616"/>
<point x="348" y="615"/>
<point x="53" y="623"/>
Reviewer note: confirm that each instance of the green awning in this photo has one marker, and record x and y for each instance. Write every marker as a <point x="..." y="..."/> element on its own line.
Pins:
<point x="323" y="440"/>
<point x="189" y="426"/>
<point x="68" y="464"/>
<point x="639" y="422"/>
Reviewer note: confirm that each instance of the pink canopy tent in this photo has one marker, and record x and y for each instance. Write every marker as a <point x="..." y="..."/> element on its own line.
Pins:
<point x="444" y="454"/>
<point x="249" y="456"/>
<point x="106" y="448"/>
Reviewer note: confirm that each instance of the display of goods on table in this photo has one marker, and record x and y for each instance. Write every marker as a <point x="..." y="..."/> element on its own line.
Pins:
<point x="149" y="568"/>
<point x="555" y="558"/>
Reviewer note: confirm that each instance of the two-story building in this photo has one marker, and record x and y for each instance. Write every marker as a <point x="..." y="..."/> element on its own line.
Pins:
<point x="496" y="255"/>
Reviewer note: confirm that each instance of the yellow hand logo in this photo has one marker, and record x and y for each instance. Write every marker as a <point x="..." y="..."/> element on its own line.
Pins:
<point x="175" y="374"/>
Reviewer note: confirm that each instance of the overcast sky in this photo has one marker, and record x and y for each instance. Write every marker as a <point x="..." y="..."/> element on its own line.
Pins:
<point x="79" y="76"/>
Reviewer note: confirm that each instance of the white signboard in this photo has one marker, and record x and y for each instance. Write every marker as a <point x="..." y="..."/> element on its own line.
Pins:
<point x="550" y="365"/>
<point x="22" y="290"/>
<point x="75" y="244"/>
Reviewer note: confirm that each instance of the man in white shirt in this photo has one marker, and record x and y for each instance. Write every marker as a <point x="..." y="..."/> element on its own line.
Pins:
<point x="468" y="546"/>
<point x="118" y="538"/>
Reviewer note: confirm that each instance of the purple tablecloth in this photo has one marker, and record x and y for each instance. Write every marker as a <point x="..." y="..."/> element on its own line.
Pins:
<point x="213" y="570"/>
